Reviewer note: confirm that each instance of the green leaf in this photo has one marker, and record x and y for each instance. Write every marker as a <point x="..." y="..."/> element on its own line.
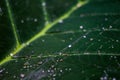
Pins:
<point x="59" y="39"/>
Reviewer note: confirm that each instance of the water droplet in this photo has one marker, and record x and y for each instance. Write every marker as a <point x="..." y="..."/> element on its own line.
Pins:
<point x="48" y="71"/>
<point x="61" y="21"/>
<point x="81" y="27"/>
<point x="69" y="46"/>
<point x="26" y="63"/>
<point x="2" y="70"/>
<point x="84" y="30"/>
<point x="46" y="22"/>
<point x="43" y="4"/>
<point x="91" y="39"/>
<point x="60" y="53"/>
<point x="53" y="79"/>
<point x="84" y="36"/>
<point x="54" y="75"/>
<point x="105" y="78"/>
<point x="114" y="78"/>
<point x="71" y="38"/>
<point x="22" y="21"/>
<point x="11" y="54"/>
<point x="22" y="75"/>
<point x="23" y="44"/>
<point x="61" y="70"/>
<point x="117" y="40"/>
<point x="99" y="40"/>
<point x="78" y="5"/>
<point x="35" y="20"/>
<point x="43" y="40"/>
<point x="101" y="78"/>
<point x="70" y="69"/>
<point x="43" y="71"/>
<point x="106" y="19"/>
<point x="110" y="26"/>
<point x="27" y="44"/>
<point x="86" y="53"/>
<point x="112" y="46"/>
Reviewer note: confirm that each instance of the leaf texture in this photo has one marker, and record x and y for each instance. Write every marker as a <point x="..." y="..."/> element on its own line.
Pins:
<point x="59" y="39"/>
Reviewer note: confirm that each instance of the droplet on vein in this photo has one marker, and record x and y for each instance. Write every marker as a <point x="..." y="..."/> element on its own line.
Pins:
<point x="84" y="36"/>
<point x="43" y="4"/>
<point x="61" y="21"/>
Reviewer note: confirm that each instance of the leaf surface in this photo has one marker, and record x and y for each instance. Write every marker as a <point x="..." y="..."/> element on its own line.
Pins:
<point x="59" y="39"/>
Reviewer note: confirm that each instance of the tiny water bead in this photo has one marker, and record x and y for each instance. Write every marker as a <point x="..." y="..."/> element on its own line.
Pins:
<point x="84" y="30"/>
<point x="35" y="20"/>
<point x="114" y="79"/>
<point x="22" y="21"/>
<point x="91" y="39"/>
<point x="43" y="3"/>
<point x="70" y="46"/>
<point x="81" y="27"/>
<point x="61" y="21"/>
<point x="22" y="75"/>
<point x="106" y="19"/>
<point x="84" y="36"/>
<point x="110" y="26"/>
<point x="11" y="54"/>
<point x="43" y="40"/>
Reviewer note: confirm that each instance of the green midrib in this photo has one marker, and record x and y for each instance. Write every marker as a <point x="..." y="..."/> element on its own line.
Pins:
<point x="41" y="33"/>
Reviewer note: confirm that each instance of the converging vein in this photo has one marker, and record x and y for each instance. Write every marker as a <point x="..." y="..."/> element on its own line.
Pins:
<point x="12" y="23"/>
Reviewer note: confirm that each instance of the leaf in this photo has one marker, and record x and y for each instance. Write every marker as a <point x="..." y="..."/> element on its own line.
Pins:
<point x="59" y="39"/>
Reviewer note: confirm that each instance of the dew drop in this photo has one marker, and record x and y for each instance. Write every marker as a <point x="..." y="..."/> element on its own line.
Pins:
<point x="84" y="36"/>
<point x="91" y="39"/>
<point x="43" y="71"/>
<point x="27" y="44"/>
<point x="112" y="46"/>
<point x="61" y="21"/>
<point x="22" y="21"/>
<point x="81" y="27"/>
<point x="84" y="30"/>
<point x="101" y="78"/>
<point x="22" y="75"/>
<point x="53" y="79"/>
<point x="60" y="53"/>
<point x="117" y="40"/>
<point x="48" y="71"/>
<point x="69" y="46"/>
<point x="43" y="40"/>
<point x="54" y="75"/>
<point x="105" y="78"/>
<point x="114" y="79"/>
<point x="35" y="20"/>
<point x="11" y="54"/>
<point x="43" y="4"/>
<point x="110" y="26"/>
<point x="61" y="70"/>
<point x="78" y="5"/>
<point x="106" y="19"/>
